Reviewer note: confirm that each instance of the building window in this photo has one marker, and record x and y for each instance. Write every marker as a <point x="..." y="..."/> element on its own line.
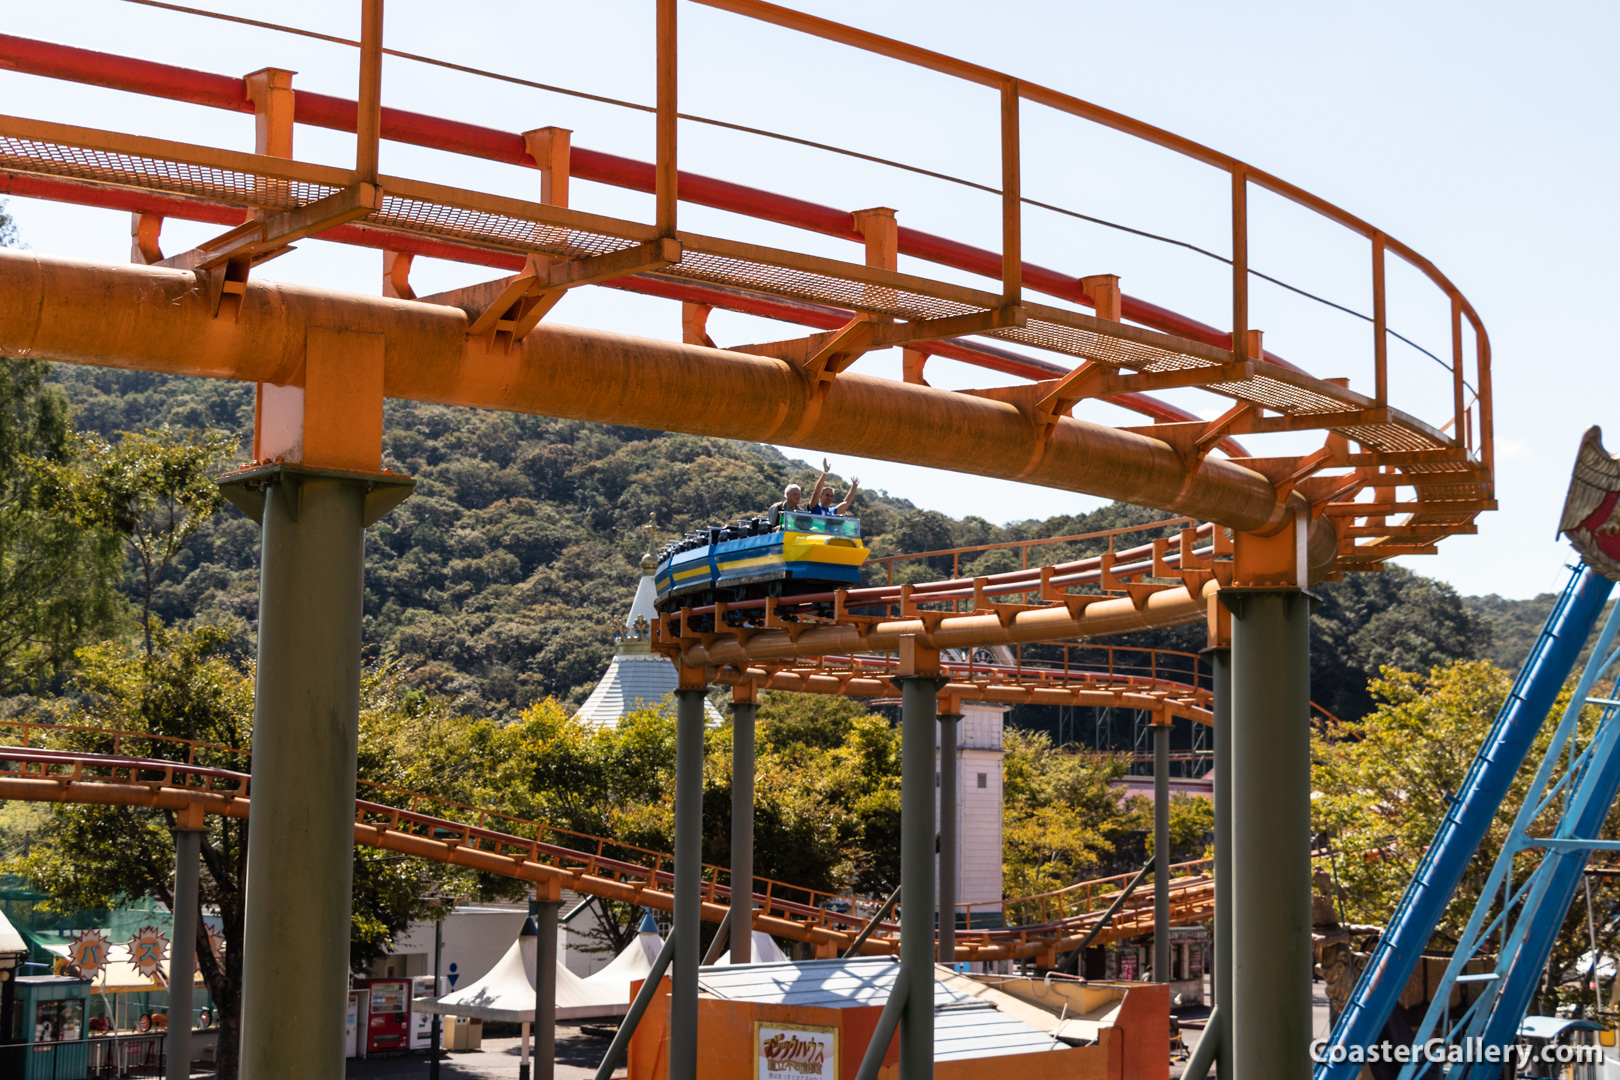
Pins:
<point x="983" y="780"/>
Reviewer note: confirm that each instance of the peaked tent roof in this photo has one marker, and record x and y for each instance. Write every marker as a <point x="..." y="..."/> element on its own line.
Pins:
<point x="637" y="678"/>
<point x="506" y="993"/>
<point x="766" y="951"/>
<point x="11" y="939"/>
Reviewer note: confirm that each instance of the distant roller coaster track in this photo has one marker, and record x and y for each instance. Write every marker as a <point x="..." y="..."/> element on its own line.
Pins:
<point x="493" y="842"/>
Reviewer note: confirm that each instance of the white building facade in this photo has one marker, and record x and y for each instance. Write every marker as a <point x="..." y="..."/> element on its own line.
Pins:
<point x="978" y="808"/>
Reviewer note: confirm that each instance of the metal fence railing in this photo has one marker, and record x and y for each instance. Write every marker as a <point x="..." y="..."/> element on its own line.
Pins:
<point x="95" y="1058"/>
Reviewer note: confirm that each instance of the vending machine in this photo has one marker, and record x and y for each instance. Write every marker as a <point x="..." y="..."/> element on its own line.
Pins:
<point x="388" y="1023"/>
<point x="421" y="1022"/>
<point x="351" y="1025"/>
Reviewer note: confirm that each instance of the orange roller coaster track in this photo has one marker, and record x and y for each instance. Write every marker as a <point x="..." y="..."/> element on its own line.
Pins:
<point x="796" y="391"/>
<point x="489" y="841"/>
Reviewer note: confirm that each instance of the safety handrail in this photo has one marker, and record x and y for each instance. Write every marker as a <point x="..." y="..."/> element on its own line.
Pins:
<point x="670" y="185"/>
<point x="814" y="911"/>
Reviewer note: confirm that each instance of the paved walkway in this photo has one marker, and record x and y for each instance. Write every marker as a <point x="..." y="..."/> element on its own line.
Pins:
<point x="578" y="1055"/>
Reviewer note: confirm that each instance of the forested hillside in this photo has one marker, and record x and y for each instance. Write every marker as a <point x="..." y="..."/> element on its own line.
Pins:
<point x="498" y="582"/>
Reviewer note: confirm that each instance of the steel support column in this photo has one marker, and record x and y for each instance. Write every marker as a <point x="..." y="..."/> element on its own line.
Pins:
<point x="183" y="952"/>
<point x="743" y="714"/>
<point x="438" y="958"/>
<point x="301" y="846"/>
<point x="1220" y="661"/>
<point x="1270" y="812"/>
<point x="1161" y="852"/>
<point x="687" y="928"/>
<point x="918" y="732"/>
<point x="545" y="986"/>
<point x="949" y="833"/>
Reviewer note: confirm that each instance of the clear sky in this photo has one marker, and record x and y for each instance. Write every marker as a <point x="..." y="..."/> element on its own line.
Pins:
<point x="1482" y="134"/>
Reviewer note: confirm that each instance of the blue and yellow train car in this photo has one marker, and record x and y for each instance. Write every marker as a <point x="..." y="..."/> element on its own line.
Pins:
<point x="751" y="558"/>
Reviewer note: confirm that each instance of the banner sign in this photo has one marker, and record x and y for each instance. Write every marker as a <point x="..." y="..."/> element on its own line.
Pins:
<point x="88" y="952"/>
<point x="795" y="1052"/>
<point x="148" y="949"/>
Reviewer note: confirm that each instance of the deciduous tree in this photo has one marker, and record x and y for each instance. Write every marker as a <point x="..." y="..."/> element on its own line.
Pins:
<point x="192" y="687"/>
<point x="154" y="489"/>
<point x="58" y="570"/>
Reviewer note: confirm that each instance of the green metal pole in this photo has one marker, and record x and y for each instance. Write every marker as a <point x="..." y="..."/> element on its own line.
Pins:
<point x="1161" y="853"/>
<point x="1220" y="660"/>
<point x="183" y="953"/>
<point x="743" y="714"/>
<point x="545" y="990"/>
<point x="918" y="732"/>
<point x="1270" y="772"/>
<point x="683" y="1006"/>
<point x="438" y="957"/>
<point x="949" y="833"/>
<point x="305" y="729"/>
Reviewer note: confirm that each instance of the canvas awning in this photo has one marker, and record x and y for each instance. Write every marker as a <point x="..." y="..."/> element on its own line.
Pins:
<point x="766" y="951"/>
<point x="507" y="992"/>
<point x="12" y="945"/>
<point x="123" y="977"/>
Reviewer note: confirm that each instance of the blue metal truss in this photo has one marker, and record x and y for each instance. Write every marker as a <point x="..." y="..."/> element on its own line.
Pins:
<point x="1576" y="780"/>
<point x="1467" y="820"/>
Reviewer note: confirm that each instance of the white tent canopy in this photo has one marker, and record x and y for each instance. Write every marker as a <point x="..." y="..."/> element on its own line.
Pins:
<point x="507" y="992"/>
<point x="766" y="951"/>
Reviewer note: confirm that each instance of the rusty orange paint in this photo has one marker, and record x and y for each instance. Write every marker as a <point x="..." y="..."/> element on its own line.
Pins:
<point x="156" y="319"/>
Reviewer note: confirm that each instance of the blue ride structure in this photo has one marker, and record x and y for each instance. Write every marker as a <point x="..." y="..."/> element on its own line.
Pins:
<point x="1534" y="693"/>
<point x="1577" y="780"/>
<point x="1586" y="786"/>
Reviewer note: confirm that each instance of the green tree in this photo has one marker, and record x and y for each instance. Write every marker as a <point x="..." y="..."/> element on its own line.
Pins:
<point x="193" y="687"/>
<point x="58" y="572"/>
<point x="826" y="788"/>
<point x="1061" y="813"/>
<point x="155" y="489"/>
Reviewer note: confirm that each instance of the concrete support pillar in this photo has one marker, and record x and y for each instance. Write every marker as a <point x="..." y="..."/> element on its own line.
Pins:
<point x="1270" y="791"/>
<point x="683" y="1010"/>
<point x="1161" y="851"/>
<point x="545" y="982"/>
<point x="1220" y="660"/>
<point x="950" y="840"/>
<point x="918" y="731"/>
<point x="183" y="952"/>
<point x="301" y="842"/>
<point x="743" y="714"/>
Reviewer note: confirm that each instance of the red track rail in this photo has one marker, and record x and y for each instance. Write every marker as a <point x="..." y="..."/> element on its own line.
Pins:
<point x="213" y="90"/>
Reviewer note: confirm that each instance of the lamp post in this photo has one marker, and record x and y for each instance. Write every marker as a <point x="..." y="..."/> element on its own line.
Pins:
<point x="438" y="957"/>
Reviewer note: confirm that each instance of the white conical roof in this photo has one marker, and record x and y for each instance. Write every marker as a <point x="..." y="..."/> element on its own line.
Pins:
<point x="637" y="678"/>
<point x="642" y="608"/>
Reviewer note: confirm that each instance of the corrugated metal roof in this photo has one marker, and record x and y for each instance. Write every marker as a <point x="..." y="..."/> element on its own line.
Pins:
<point x="633" y="681"/>
<point x="963" y="1026"/>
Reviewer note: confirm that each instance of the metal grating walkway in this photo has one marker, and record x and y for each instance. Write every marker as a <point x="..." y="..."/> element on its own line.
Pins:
<point x="266" y="184"/>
